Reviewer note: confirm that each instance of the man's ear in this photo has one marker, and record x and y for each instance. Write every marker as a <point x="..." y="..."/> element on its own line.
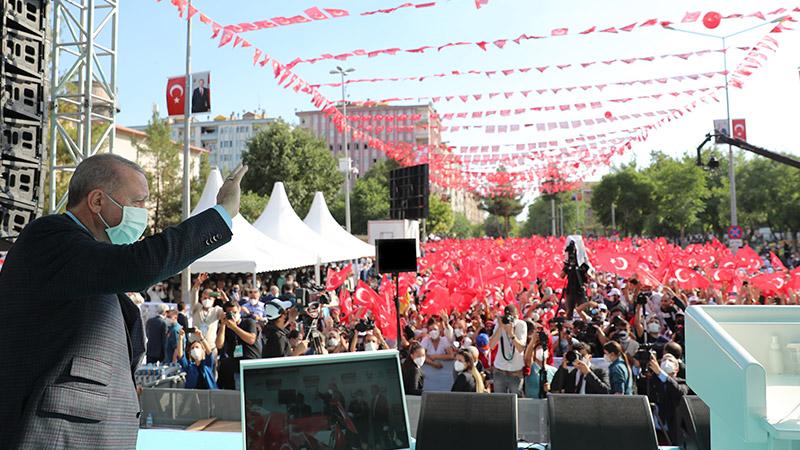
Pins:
<point x="94" y="200"/>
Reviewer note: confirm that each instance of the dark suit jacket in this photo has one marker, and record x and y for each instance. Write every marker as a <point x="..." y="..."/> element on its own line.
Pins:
<point x="201" y="102"/>
<point x="156" y="331"/>
<point x="596" y="381"/>
<point x="465" y="382"/>
<point x="667" y="396"/>
<point x="71" y="385"/>
<point x="413" y="377"/>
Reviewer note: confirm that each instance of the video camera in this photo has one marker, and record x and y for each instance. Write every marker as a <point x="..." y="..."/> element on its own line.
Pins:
<point x="559" y="321"/>
<point x="643" y="356"/>
<point x="365" y="325"/>
<point x="643" y="298"/>
<point x="571" y="357"/>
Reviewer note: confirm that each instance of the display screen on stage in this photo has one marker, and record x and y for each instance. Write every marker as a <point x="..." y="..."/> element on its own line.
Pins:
<point x="347" y="401"/>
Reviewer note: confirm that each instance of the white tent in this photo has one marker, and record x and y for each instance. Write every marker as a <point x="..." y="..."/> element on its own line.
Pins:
<point x="320" y="220"/>
<point x="281" y="223"/>
<point x="249" y="251"/>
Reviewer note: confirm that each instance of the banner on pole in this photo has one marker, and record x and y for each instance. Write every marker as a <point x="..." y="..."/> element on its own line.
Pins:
<point x="201" y="94"/>
<point x="721" y="128"/>
<point x="739" y="129"/>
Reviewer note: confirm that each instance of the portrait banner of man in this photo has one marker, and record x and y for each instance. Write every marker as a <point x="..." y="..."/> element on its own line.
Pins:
<point x="201" y="92"/>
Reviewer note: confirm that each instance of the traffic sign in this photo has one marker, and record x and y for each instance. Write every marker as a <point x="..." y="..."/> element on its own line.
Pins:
<point x="735" y="232"/>
<point x="734" y="244"/>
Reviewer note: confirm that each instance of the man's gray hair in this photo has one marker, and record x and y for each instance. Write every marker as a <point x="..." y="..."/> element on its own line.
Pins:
<point x="98" y="171"/>
<point x="161" y="308"/>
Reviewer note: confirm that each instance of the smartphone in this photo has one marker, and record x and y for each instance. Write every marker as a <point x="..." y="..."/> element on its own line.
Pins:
<point x="190" y="330"/>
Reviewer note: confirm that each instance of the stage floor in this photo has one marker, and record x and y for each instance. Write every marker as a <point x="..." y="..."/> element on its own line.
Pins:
<point x="155" y="439"/>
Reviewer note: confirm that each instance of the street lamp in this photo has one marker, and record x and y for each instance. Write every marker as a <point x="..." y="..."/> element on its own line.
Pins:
<point x="731" y="172"/>
<point x="343" y="73"/>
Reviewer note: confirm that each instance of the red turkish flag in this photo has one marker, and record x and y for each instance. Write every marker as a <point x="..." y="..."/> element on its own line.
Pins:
<point x="337" y="12"/>
<point x="769" y="283"/>
<point x="365" y="296"/>
<point x="345" y="303"/>
<point x="176" y="96"/>
<point x="689" y="279"/>
<point x="739" y="129"/>
<point x="336" y="279"/>
<point x="776" y="262"/>
<point x="315" y="13"/>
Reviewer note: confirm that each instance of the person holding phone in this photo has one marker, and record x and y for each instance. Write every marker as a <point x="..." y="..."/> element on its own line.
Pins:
<point x="199" y="367"/>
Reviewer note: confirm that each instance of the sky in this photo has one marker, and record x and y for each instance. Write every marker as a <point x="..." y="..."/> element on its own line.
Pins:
<point x="152" y="47"/>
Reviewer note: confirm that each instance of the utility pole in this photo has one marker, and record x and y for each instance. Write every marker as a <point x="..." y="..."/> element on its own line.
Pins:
<point x="186" y="274"/>
<point x="343" y="73"/>
<point x="613" y="216"/>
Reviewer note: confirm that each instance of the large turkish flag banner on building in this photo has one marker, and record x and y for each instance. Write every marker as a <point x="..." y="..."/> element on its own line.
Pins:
<point x="739" y="129"/>
<point x="176" y="96"/>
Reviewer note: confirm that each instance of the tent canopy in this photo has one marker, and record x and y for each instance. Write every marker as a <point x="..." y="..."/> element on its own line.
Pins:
<point x="281" y="223"/>
<point x="320" y="220"/>
<point x="249" y="250"/>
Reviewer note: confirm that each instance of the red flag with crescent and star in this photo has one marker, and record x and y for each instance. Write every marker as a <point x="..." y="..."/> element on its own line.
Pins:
<point x="739" y="129"/>
<point x="176" y="96"/>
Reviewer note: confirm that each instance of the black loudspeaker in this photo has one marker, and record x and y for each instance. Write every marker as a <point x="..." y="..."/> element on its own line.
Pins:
<point x="408" y="193"/>
<point x="694" y="426"/>
<point x="467" y="421"/>
<point x="395" y="255"/>
<point x="601" y="422"/>
<point x="23" y="113"/>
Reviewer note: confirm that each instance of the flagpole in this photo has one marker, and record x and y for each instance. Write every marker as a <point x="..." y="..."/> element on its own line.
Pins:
<point x="187" y="133"/>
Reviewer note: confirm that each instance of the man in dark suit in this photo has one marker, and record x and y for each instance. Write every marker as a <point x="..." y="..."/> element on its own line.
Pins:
<point x="156" y="331"/>
<point x="201" y="100"/>
<point x="76" y="388"/>
<point x="580" y="377"/>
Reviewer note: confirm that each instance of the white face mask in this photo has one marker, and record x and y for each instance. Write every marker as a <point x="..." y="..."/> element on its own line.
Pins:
<point x="467" y="342"/>
<point x="333" y="342"/>
<point x="539" y="354"/>
<point x="668" y="367"/>
<point x="197" y="353"/>
<point x="433" y="334"/>
<point x="459" y="366"/>
<point x="653" y="327"/>
<point x="459" y="332"/>
<point x="419" y="361"/>
<point x="208" y="303"/>
<point x="237" y="317"/>
<point x="254" y="301"/>
<point x="370" y="346"/>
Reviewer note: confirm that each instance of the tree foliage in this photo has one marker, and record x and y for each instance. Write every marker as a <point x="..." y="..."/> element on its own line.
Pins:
<point x="162" y="165"/>
<point x="252" y="205"/>
<point x="294" y="156"/>
<point x="440" y="220"/>
<point x="540" y="217"/>
<point x="632" y="195"/>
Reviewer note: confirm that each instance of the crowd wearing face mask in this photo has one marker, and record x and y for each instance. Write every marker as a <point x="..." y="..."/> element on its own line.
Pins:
<point x="623" y="338"/>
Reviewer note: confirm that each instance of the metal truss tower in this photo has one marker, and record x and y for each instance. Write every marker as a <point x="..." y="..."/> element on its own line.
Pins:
<point x="83" y="85"/>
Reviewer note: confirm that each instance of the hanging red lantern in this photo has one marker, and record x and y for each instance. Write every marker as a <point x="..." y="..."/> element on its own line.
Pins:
<point x="608" y="115"/>
<point x="712" y="20"/>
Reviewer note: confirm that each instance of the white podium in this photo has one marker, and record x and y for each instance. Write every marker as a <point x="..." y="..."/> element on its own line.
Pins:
<point x="740" y="361"/>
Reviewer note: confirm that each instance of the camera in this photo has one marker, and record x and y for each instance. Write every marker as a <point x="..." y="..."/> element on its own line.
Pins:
<point x="571" y="357"/>
<point x="507" y="319"/>
<point x="643" y="356"/>
<point x="365" y="325"/>
<point x="229" y="315"/>
<point x="643" y="298"/>
<point x="190" y="330"/>
<point x="559" y="321"/>
<point x="544" y="339"/>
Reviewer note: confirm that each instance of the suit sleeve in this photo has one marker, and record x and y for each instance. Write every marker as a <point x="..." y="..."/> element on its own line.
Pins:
<point x="598" y="379"/>
<point x="558" y="380"/>
<point x="89" y="267"/>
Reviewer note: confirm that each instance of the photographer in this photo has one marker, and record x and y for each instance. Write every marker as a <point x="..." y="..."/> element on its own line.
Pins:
<point x="510" y="334"/>
<point x="576" y="271"/>
<point x="277" y="334"/>
<point x="577" y="376"/>
<point x="666" y="390"/>
<point x="535" y="356"/>
<point x="200" y="369"/>
<point x="237" y="339"/>
<point x="648" y="330"/>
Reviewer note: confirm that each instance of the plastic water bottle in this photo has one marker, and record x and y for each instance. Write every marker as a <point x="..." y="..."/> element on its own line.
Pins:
<point x="149" y="421"/>
<point x="775" y="356"/>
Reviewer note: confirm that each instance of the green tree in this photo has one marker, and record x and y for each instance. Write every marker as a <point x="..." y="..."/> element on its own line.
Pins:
<point x="440" y="219"/>
<point x="539" y="220"/>
<point x="369" y="201"/>
<point x="631" y="193"/>
<point x="679" y="195"/>
<point x="505" y="207"/>
<point x="163" y="162"/>
<point x="252" y="205"/>
<point x="500" y="227"/>
<point x="462" y="228"/>
<point x="199" y="182"/>
<point x="294" y="156"/>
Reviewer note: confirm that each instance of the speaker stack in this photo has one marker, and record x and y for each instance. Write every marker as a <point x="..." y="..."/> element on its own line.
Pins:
<point x="23" y="113"/>
<point x="408" y="191"/>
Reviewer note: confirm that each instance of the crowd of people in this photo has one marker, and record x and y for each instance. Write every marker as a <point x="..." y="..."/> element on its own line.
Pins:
<point x="604" y="335"/>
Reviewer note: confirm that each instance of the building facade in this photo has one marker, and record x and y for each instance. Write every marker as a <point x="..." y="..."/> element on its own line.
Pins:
<point x="405" y="124"/>
<point x="225" y="138"/>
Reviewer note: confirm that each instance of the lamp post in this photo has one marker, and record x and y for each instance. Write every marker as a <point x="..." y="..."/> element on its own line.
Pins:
<point x="343" y="73"/>
<point x="723" y="39"/>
